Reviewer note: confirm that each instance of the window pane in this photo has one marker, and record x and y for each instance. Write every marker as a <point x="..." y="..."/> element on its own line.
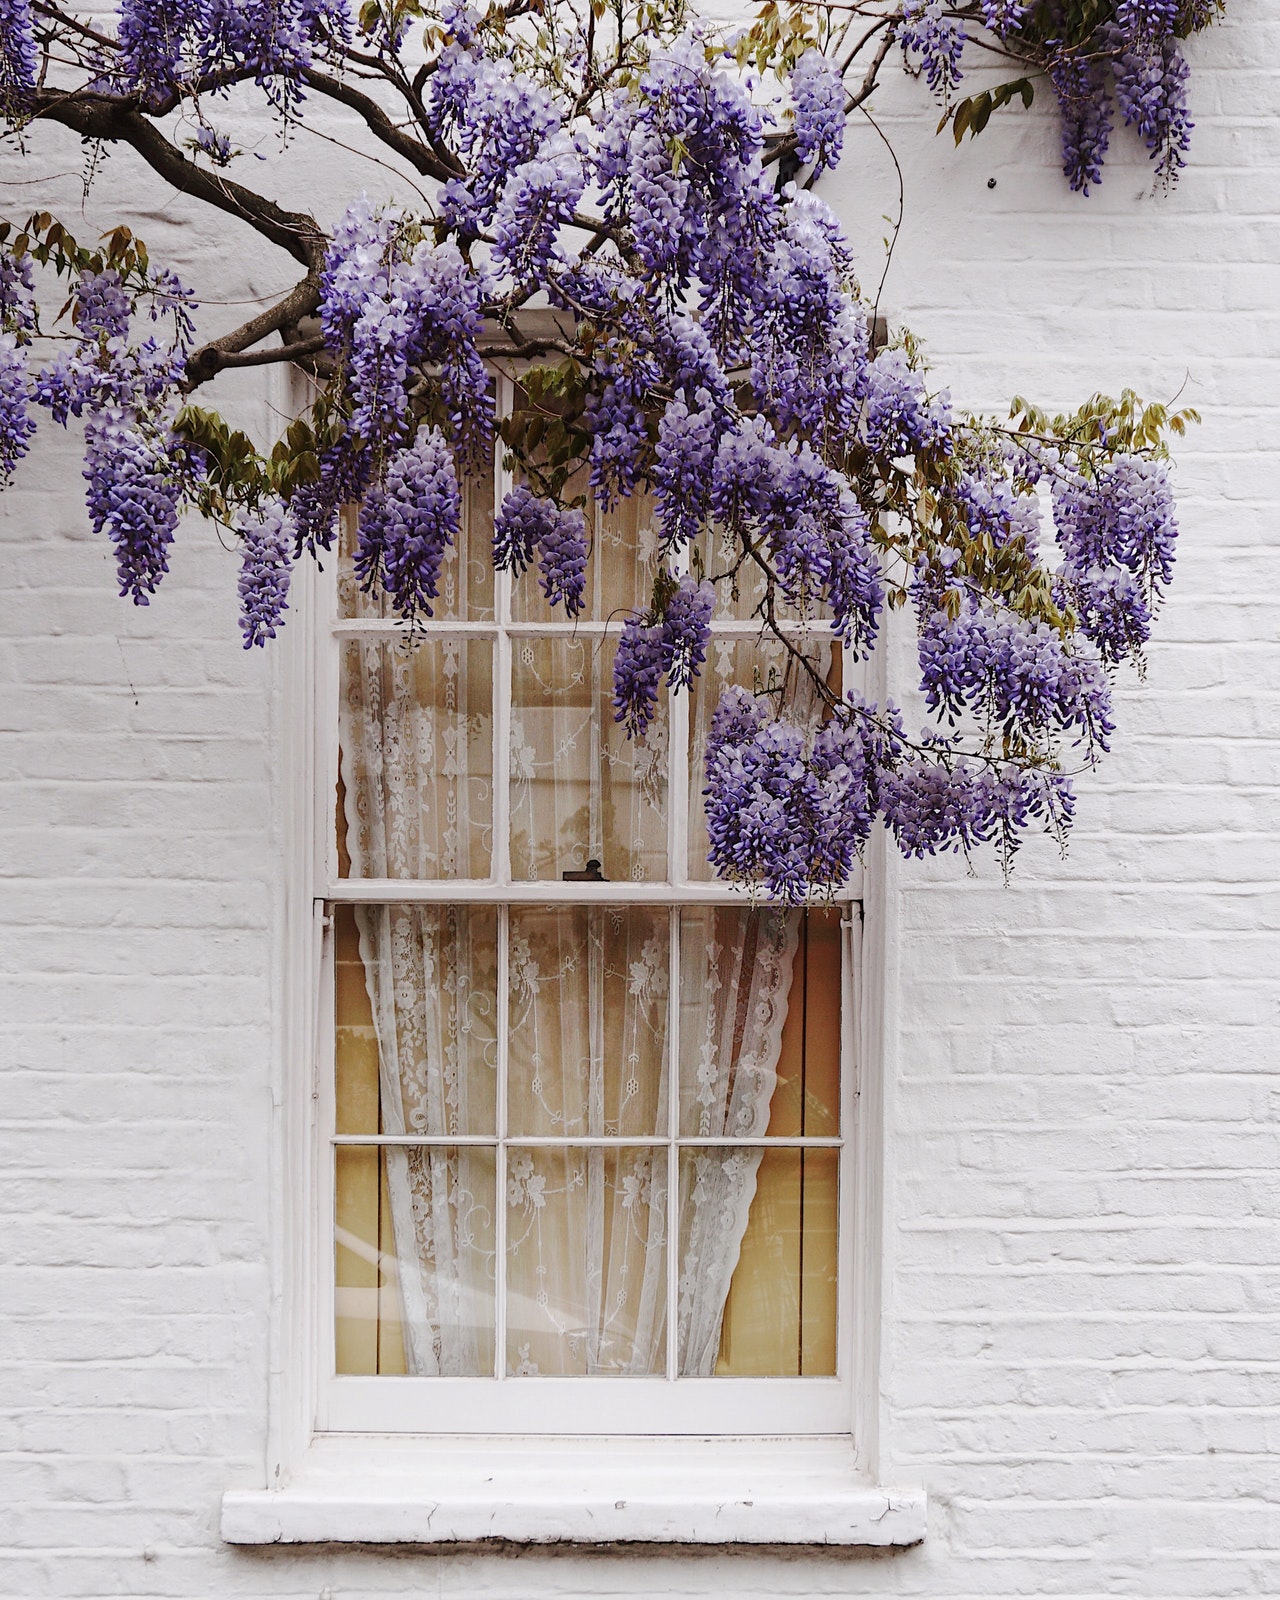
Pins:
<point x="580" y="789"/>
<point x="416" y="1019"/>
<point x="466" y="573"/>
<point x="588" y="1008"/>
<point x="586" y="1261"/>
<point x="417" y="758"/>
<point x="779" y="1319"/>
<point x="736" y="967"/>
<point x="743" y="600"/>
<point x="758" y="665"/>
<point x="806" y="1100"/>
<point x="414" y="1261"/>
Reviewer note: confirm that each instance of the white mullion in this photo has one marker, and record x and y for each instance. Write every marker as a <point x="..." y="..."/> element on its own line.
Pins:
<point x="501" y="871"/>
<point x="546" y="892"/>
<point x="500" y="1157"/>
<point x="846" y="1179"/>
<point x="678" y="769"/>
<point x="500" y="868"/>
<point x="387" y="628"/>
<point x="678" y="789"/>
<point x="673" y="1149"/>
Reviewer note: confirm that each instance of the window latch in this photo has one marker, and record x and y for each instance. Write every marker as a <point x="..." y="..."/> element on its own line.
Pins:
<point x="591" y="873"/>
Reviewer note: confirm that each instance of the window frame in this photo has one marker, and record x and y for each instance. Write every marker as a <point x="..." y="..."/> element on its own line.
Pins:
<point x="547" y="1404"/>
<point x="322" y="1486"/>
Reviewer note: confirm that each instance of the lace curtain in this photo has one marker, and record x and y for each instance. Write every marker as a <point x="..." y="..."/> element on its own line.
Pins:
<point x="588" y="1047"/>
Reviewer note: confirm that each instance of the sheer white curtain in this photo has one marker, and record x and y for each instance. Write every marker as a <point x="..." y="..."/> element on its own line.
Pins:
<point x="735" y="982"/>
<point x="431" y="974"/>
<point x="588" y="1037"/>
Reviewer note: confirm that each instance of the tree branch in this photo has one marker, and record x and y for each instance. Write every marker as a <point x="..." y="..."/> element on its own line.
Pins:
<point x="417" y="154"/>
<point x="106" y="117"/>
<point x="302" y="301"/>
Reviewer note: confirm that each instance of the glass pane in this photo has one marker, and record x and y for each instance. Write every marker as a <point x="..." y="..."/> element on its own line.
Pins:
<point x="417" y="758"/>
<point x="415" y="1010"/>
<point x="586" y="1261"/>
<point x="743" y="598"/>
<point x="588" y="1009"/>
<point x="581" y="791"/>
<point x="622" y="562"/>
<point x="758" y="664"/>
<point x="414" y="1245"/>
<point x="771" y="1220"/>
<point x="806" y="1100"/>
<point x="736" y="966"/>
<point x="466" y="573"/>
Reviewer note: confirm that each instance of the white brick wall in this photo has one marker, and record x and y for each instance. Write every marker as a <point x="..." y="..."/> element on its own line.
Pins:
<point x="1082" y="1336"/>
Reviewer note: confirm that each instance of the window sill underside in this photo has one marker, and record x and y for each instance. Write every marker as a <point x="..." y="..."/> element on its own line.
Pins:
<point x="387" y="1490"/>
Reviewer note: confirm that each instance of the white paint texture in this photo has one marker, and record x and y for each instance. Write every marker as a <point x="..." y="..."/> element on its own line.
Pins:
<point x="1081" y="1333"/>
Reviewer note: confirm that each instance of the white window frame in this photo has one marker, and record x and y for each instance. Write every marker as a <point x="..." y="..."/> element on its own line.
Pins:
<point x="337" y="1474"/>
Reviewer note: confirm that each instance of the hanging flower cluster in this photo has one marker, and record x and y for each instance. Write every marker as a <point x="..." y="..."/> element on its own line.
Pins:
<point x="1094" y="53"/>
<point x="708" y="347"/>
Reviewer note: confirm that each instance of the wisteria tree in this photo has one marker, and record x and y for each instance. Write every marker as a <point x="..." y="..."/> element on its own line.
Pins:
<point x="623" y="206"/>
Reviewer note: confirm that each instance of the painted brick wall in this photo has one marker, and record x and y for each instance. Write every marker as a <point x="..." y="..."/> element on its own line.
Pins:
<point x="1082" y="1323"/>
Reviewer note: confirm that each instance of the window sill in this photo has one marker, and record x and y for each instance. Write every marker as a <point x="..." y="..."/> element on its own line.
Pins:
<point x="387" y="1490"/>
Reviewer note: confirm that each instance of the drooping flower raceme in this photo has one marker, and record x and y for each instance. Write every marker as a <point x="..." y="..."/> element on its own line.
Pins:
<point x="818" y="87"/>
<point x="562" y="559"/>
<point x="16" y="426"/>
<point x="934" y="805"/>
<point x="133" y="496"/>
<point x="19" y="57"/>
<point x="1117" y="533"/>
<point x="637" y="675"/>
<point x="1014" y="674"/>
<point x="266" y="566"/>
<point x="1151" y="92"/>
<point x="929" y="35"/>
<point x="899" y="417"/>
<point x="407" y="522"/>
<point x="527" y="524"/>
<point x="673" y="642"/>
<point x="784" y="807"/>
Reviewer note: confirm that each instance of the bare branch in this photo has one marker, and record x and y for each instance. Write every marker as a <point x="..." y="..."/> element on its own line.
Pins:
<point x="426" y="160"/>
<point x="297" y="351"/>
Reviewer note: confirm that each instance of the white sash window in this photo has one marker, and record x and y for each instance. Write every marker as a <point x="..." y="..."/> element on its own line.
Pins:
<point x="586" y="1110"/>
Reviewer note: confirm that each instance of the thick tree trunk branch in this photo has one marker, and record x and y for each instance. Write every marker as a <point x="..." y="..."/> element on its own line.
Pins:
<point x="95" y="116"/>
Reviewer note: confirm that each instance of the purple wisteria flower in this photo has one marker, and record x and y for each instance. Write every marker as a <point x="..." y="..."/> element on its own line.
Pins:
<point x="527" y="523"/>
<point x="817" y="87"/>
<point x="16" y="426"/>
<point x="407" y="522"/>
<point x="1085" y="114"/>
<point x="637" y="675"/>
<point x="133" y="495"/>
<point x="1151" y="91"/>
<point x="934" y="40"/>
<point x="899" y="417"/>
<point x="784" y="807"/>
<point x="19" y="56"/>
<point x="266" y="566"/>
